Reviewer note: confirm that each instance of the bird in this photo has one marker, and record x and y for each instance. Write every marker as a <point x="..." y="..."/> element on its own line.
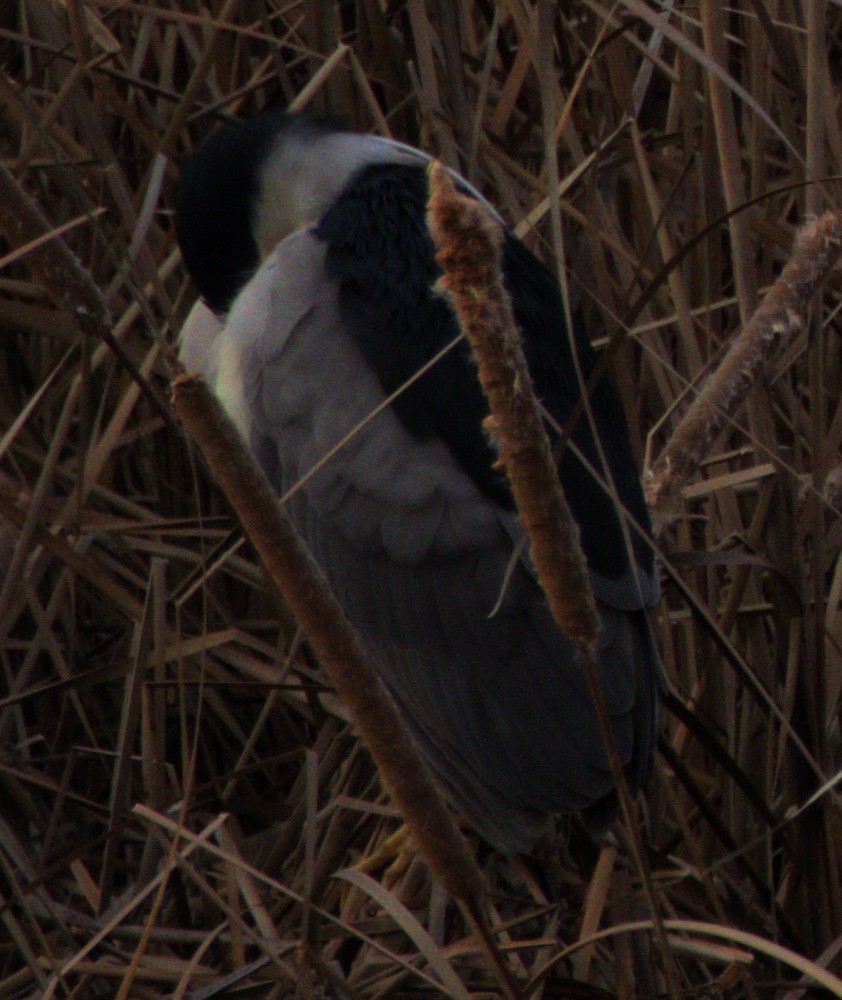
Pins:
<point x="318" y="308"/>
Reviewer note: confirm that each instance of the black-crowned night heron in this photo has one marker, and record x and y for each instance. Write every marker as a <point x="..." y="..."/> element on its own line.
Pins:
<point x="309" y="245"/>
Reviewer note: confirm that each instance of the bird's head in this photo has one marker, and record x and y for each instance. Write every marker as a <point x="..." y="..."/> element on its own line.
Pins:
<point x="253" y="183"/>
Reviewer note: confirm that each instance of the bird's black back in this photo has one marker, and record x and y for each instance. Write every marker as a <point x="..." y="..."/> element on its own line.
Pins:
<point x="380" y="254"/>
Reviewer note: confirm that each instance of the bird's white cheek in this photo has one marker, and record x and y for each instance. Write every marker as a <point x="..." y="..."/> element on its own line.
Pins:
<point x="198" y="341"/>
<point x="206" y="350"/>
<point x="245" y="325"/>
<point x="230" y="387"/>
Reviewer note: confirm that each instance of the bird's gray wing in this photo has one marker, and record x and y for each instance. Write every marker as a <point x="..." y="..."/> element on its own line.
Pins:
<point x="417" y="555"/>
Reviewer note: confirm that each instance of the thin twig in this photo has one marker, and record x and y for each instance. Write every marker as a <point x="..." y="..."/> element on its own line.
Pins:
<point x="65" y="280"/>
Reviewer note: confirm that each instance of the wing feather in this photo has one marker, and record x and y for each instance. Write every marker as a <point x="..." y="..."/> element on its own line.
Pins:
<point x="417" y="553"/>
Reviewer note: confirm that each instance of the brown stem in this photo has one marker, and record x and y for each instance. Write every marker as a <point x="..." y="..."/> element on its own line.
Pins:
<point x="468" y="249"/>
<point x="337" y="646"/>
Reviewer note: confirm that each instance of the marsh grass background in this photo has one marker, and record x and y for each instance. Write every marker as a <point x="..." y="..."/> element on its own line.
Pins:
<point x="181" y="796"/>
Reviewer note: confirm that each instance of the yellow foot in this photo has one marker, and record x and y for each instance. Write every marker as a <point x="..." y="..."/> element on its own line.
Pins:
<point x="395" y="854"/>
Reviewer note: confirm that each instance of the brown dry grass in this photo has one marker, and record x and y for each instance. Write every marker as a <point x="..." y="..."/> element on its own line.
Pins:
<point x="180" y="797"/>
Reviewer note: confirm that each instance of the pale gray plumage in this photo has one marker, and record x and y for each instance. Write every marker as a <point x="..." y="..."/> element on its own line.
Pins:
<point x="415" y="549"/>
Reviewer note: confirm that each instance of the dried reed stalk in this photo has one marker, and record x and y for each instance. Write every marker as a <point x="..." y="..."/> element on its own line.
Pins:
<point x="81" y="127"/>
<point x="338" y="648"/>
<point x="67" y="283"/>
<point x="308" y="595"/>
<point x="775" y="323"/>
<point x="468" y="243"/>
<point x="468" y="249"/>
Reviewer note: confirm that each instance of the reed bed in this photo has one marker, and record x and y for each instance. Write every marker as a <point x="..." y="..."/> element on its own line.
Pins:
<point x="185" y="810"/>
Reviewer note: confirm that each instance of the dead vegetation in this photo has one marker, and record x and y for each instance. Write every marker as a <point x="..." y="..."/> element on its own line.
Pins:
<point x="181" y="796"/>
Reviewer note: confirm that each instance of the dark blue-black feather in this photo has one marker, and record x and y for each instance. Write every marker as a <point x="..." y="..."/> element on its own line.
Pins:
<point x="381" y="257"/>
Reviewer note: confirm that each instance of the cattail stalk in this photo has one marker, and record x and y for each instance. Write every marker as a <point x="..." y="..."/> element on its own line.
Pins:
<point x="308" y="595"/>
<point x="469" y="251"/>
<point x="774" y="325"/>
